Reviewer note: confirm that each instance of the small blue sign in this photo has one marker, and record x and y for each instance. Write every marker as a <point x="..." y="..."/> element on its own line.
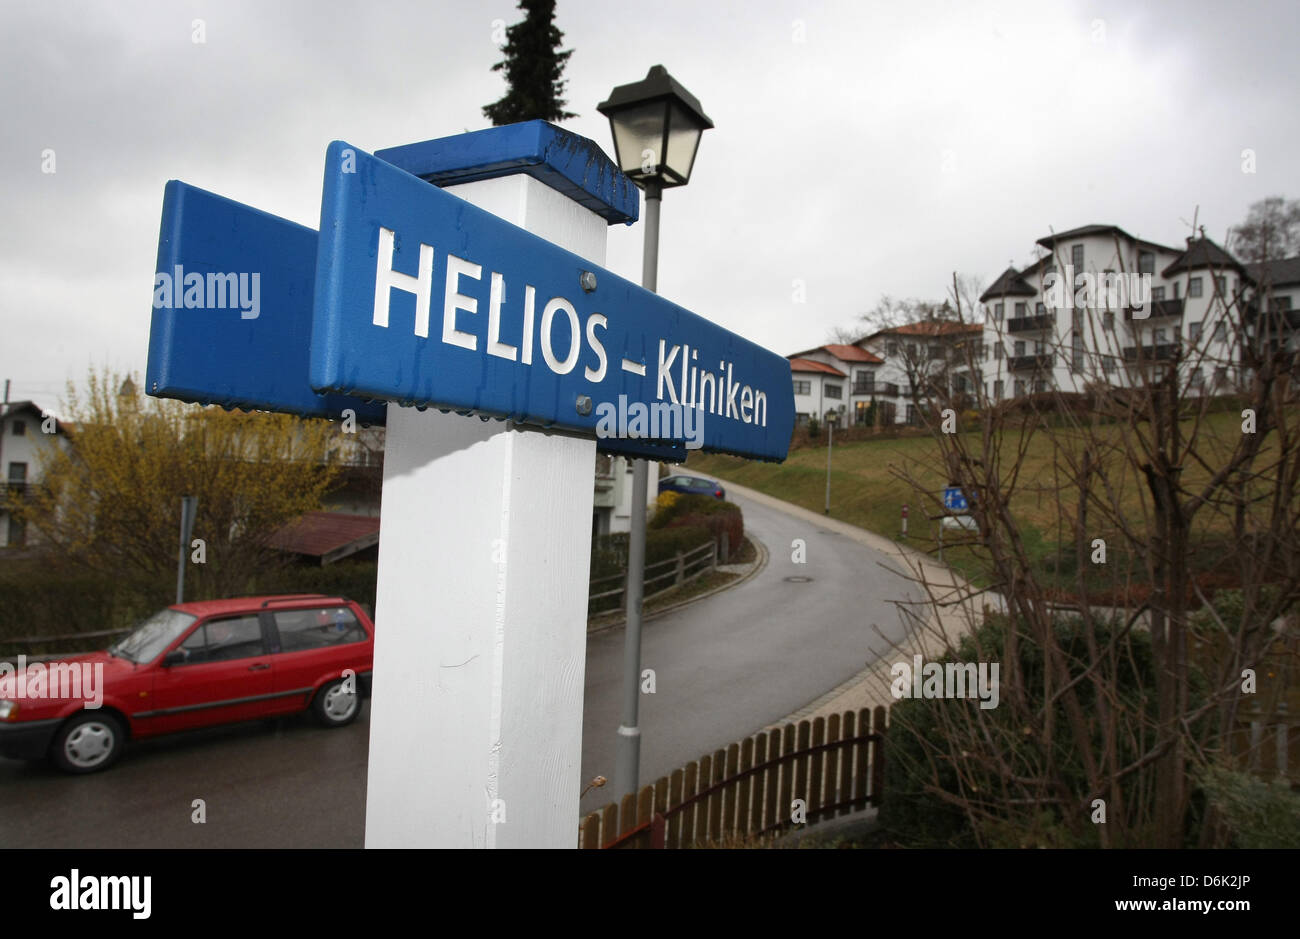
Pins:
<point x="232" y="307"/>
<point x="954" y="500"/>
<point x="424" y="299"/>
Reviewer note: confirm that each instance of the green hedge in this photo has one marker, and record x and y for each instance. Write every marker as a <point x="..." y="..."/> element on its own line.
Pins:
<point x="36" y="600"/>
<point x="714" y="515"/>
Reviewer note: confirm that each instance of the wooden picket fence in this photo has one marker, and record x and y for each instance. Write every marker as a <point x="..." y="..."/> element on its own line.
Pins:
<point x="836" y="765"/>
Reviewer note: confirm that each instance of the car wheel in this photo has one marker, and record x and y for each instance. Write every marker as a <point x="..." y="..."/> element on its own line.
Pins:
<point x="88" y="743"/>
<point x="336" y="705"/>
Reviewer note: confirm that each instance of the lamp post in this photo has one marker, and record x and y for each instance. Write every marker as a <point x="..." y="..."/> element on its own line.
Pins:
<point x="832" y="417"/>
<point x="656" y="125"/>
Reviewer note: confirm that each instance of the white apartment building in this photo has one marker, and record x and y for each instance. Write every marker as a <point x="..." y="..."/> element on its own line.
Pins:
<point x="25" y="445"/>
<point x="1069" y="321"/>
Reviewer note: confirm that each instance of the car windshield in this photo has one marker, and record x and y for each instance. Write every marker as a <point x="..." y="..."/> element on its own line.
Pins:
<point x="152" y="636"/>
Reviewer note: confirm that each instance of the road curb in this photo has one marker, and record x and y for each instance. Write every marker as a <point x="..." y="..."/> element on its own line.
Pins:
<point x="758" y="565"/>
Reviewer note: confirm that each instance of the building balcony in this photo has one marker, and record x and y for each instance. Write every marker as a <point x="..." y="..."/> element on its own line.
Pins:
<point x="1162" y="352"/>
<point x="1023" y="324"/>
<point x="13" y="492"/>
<point x="1160" y="308"/>
<point x="1039" y="361"/>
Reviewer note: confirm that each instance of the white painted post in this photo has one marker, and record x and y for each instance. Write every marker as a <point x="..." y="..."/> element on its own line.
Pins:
<point x="480" y="645"/>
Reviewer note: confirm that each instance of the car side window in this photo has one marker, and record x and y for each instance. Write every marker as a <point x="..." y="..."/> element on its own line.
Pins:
<point x="221" y="640"/>
<point x="195" y="646"/>
<point x="317" y="628"/>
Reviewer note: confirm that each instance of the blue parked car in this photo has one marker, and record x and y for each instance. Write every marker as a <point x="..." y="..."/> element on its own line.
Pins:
<point x="692" y="486"/>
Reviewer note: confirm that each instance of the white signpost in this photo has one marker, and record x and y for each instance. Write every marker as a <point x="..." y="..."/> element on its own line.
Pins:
<point x="491" y="303"/>
<point x="476" y="714"/>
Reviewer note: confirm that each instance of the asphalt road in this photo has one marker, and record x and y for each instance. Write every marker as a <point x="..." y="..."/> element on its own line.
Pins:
<point x="735" y="662"/>
<point x="724" y="667"/>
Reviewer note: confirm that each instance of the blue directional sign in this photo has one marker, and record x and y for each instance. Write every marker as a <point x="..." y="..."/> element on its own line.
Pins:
<point x="954" y="500"/>
<point x="424" y="299"/>
<point x="232" y="307"/>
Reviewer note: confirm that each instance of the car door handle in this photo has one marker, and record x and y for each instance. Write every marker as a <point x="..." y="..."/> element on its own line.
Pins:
<point x="259" y="666"/>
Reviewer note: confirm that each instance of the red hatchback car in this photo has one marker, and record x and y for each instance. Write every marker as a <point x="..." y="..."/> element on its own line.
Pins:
<point x="195" y="665"/>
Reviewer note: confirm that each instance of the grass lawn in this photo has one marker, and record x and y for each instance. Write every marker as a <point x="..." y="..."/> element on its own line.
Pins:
<point x="869" y="487"/>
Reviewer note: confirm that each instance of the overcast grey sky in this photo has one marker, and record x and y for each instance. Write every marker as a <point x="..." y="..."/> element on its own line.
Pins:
<point x="861" y="148"/>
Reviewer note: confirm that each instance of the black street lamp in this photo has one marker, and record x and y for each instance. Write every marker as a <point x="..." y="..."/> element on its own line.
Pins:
<point x="657" y="125"/>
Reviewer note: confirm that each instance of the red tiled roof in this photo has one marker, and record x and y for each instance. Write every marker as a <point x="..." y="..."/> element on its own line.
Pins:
<point x="852" y="354"/>
<point x="808" y="365"/>
<point x="320" y="533"/>
<point x="931" y="328"/>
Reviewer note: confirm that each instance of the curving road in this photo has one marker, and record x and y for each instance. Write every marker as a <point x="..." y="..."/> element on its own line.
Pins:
<point x="724" y="667"/>
<point x="735" y="662"/>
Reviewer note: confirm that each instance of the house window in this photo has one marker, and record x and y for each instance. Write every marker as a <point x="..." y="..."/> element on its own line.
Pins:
<point x="861" y="412"/>
<point x="1220" y="331"/>
<point x="1177" y="287"/>
<point x="891" y="347"/>
<point x="1076" y="258"/>
<point x="998" y="351"/>
<point x="1146" y="262"/>
<point x="911" y="352"/>
<point x="802" y="387"/>
<point x="1040" y="386"/>
<point x="1020" y="387"/>
<point x="1108" y="320"/>
<point x="1158" y="337"/>
<point x="1220" y="285"/>
<point x="911" y="414"/>
<point x="998" y="309"/>
<point x="997" y="390"/>
<point x="17" y="532"/>
<point x="865" y="383"/>
<point x="935" y="352"/>
<point x="1194" y="331"/>
<point x="1198" y="378"/>
<point x="1194" y="287"/>
<point x="1178" y="334"/>
<point x="1039" y="348"/>
<point x="1108" y="364"/>
<point x="1076" y="363"/>
<point x="1282" y="303"/>
<point x="17" y="474"/>
<point x="1157" y="294"/>
<point x="1221" y="375"/>
<point x="1020" y="347"/>
<point x="1022" y="309"/>
<point x="831" y="391"/>
<point x="1040" y="308"/>
<point x="20" y="428"/>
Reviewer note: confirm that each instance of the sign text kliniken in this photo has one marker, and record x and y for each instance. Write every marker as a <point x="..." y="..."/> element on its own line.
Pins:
<point x="503" y="323"/>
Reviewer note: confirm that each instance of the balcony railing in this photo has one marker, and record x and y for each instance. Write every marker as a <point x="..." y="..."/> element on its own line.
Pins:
<point x="1022" y="324"/>
<point x="1161" y="352"/>
<point x="1021" y="363"/>
<point x="1158" y="308"/>
<point x="12" y="492"/>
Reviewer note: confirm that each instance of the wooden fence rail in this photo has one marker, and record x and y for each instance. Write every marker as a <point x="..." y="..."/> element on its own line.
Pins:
<point x="836" y="765"/>
<point x="684" y="566"/>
